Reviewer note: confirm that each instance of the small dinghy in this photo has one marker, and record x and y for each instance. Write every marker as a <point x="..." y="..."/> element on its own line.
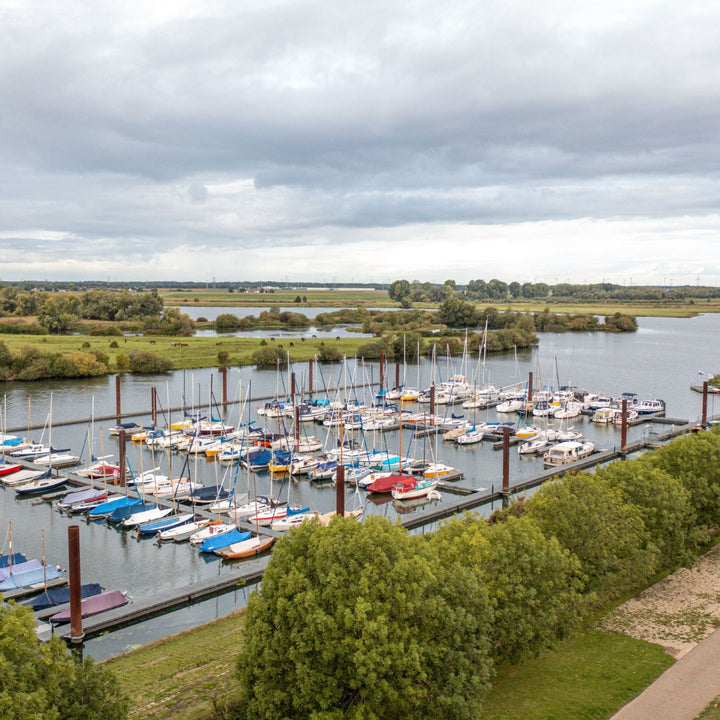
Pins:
<point x="93" y="606"/>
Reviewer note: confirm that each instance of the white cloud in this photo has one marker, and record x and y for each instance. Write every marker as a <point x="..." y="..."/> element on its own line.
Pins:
<point x="157" y="141"/>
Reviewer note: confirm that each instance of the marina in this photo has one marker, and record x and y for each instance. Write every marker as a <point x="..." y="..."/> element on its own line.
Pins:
<point x="165" y="578"/>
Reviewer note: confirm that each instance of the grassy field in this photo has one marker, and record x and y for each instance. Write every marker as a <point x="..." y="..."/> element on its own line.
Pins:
<point x="379" y="298"/>
<point x="177" y="678"/>
<point x="315" y="298"/>
<point x="200" y="351"/>
<point x="588" y="677"/>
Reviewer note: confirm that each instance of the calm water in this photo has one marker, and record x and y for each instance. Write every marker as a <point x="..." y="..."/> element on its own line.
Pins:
<point x="661" y="360"/>
<point x="211" y="313"/>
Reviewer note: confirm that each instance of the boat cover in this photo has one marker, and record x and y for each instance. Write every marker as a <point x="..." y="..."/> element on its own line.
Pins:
<point x="93" y="606"/>
<point x="60" y="596"/>
<point x="221" y="541"/>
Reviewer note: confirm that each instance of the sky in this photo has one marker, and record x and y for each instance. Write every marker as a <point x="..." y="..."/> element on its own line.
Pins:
<point x="305" y="140"/>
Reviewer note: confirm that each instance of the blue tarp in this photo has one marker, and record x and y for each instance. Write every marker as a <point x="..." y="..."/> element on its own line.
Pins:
<point x="221" y="541"/>
<point x="31" y="577"/>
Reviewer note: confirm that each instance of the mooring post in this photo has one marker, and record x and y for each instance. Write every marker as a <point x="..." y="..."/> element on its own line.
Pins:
<point x="623" y="426"/>
<point x="76" y="628"/>
<point x="397" y="374"/>
<point x="704" y="404"/>
<point x="153" y="405"/>
<point x="121" y="458"/>
<point x="506" y="461"/>
<point x="432" y="403"/>
<point x="340" y="490"/>
<point x="292" y="388"/>
<point x="382" y="369"/>
<point x="118" y="410"/>
<point x="297" y="427"/>
<point x="310" y="377"/>
<point x="224" y="385"/>
<point x="528" y="405"/>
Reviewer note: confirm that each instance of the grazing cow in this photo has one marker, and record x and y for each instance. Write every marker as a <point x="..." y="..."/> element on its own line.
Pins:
<point x="302" y="339"/>
<point x="152" y="342"/>
<point x="292" y="344"/>
<point x="272" y="339"/>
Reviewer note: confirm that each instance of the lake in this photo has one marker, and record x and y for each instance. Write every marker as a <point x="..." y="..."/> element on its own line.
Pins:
<point x="661" y="360"/>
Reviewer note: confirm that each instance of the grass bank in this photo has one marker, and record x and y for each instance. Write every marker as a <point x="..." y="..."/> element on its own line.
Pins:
<point x="588" y="677"/>
<point x="185" y="353"/>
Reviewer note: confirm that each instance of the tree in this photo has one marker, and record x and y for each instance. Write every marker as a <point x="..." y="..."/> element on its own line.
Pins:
<point x="363" y="621"/>
<point x="399" y="290"/>
<point x="533" y="584"/>
<point x="42" y="680"/>
<point x="591" y="518"/>
<point x="458" y="313"/>
<point x="663" y="501"/>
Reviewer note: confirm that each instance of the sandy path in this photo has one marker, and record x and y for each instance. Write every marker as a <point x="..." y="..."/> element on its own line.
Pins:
<point x="677" y="612"/>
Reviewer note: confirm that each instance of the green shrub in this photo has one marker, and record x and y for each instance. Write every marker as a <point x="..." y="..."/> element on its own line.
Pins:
<point x="148" y="362"/>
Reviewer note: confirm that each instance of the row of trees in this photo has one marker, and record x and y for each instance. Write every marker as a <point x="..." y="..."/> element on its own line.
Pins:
<point x="368" y="621"/>
<point x="406" y="292"/>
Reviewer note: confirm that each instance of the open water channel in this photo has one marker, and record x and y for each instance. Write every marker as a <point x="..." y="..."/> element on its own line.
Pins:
<point x="661" y="360"/>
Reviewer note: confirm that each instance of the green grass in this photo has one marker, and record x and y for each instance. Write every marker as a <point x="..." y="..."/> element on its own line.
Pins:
<point x="315" y="298"/>
<point x="177" y="678"/>
<point x="588" y="677"/>
<point x="200" y="351"/>
<point x="711" y="712"/>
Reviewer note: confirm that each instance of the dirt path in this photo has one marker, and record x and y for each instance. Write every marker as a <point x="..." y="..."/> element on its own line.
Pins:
<point x="678" y="612"/>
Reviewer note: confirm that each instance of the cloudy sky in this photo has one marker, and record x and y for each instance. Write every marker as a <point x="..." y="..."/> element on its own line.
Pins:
<point x="316" y="140"/>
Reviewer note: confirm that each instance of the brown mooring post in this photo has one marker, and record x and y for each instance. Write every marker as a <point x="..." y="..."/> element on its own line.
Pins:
<point x="382" y="370"/>
<point x="506" y="461"/>
<point x="529" y="392"/>
<point x="76" y="628"/>
<point x="623" y="426"/>
<point x="292" y="388"/>
<point x="224" y="385"/>
<point x="397" y="374"/>
<point x="153" y="405"/>
<point x="340" y="490"/>
<point x="118" y="410"/>
<point x="432" y="404"/>
<point x="310" y="377"/>
<point x="703" y="421"/>
<point x="121" y="458"/>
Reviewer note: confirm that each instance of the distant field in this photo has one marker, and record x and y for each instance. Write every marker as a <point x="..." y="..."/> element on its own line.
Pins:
<point x="379" y="298"/>
<point x="315" y="298"/>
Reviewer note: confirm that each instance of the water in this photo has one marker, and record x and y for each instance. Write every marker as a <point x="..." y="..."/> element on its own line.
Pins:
<point x="211" y="313"/>
<point x="661" y="360"/>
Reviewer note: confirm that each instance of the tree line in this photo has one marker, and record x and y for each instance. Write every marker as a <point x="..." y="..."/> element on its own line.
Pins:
<point x="370" y="621"/>
<point x="406" y="292"/>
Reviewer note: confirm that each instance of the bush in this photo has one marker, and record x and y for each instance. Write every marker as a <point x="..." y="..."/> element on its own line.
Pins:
<point x="114" y="344"/>
<point x="223" y="358"/>
<point x="364" y="621"/>
<point x="269" y="356"/>
<point x="328" y="354"/>
<point x="148" y="362"/>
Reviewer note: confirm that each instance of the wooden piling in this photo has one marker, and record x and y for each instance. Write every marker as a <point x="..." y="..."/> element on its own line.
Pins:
<point x="432" y="404"/>
<point x="704" y="403"/>
<point x="623" y="426"/>
<point x="397" y="374"/>
<point x="506" y="461"/>
<point x="223" y="369"/>
<point x="340" y="490"/>
<point x="153" y="405"/>
<point x="530" y="390"/>
<point x="122" y="445"/>
<point x="292" y="388"/>
<point x="118" y="407"/>
<point x="76" y="629"/>
<point x="382" y="369"/>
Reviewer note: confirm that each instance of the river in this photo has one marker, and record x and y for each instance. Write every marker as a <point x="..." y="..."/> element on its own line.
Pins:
<point x="662" y="359"/>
